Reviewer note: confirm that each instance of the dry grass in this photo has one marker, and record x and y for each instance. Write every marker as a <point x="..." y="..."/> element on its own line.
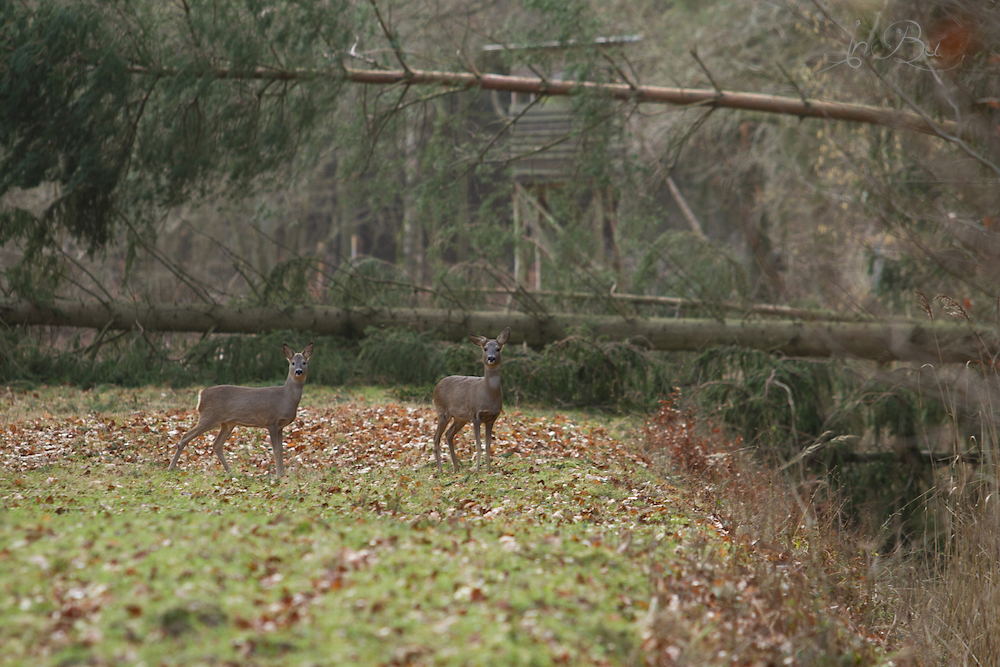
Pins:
<point x="949" y="590"/>
<point x="790" y="586"/>
<point x="949" y="594"/>
<point x="811" y="590"/>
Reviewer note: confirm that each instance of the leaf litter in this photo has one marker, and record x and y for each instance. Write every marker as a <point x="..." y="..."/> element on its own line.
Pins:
<point x="347" y="437"/>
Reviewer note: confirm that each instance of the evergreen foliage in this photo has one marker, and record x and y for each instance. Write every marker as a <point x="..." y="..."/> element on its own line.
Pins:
<point x="680" y="264"/>
<point x="778" y="403"/>
<point x="66" y="117"/>
<point x="116" y="106"/>
<point x="399" y="356"/>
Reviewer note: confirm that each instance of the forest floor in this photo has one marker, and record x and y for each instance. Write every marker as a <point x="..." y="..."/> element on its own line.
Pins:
<point x="581" y="546"/>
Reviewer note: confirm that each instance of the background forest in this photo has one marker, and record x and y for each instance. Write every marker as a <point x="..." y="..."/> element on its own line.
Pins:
<point x="135" y="168"/>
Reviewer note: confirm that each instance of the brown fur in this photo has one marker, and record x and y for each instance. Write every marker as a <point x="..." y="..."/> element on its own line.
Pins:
<point x="465" y="398"/>
<point x="230" y="406"/>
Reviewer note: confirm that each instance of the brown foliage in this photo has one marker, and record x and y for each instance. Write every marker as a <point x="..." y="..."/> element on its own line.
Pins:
<point x="784" y="587"/>
<point x="671" y="431"/>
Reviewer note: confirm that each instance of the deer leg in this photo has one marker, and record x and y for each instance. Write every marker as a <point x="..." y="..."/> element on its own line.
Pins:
<point x="456" y="426"/>
<point x="195" y="431"/>
<point x="489" y="439"/>
<point x="479" y="443"/>
<point x="442" y="422"/>
<point x="220" y="440"/>
<point x="275" y="432"/>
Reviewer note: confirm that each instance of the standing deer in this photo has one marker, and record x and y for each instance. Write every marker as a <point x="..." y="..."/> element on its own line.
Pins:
<point x="466" y="398"/>
<point x="272" y="408"/>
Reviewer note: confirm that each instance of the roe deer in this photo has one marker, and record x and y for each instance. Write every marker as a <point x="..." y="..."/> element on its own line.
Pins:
<point x="272" y="408"/>
<point x="466" y="398"/>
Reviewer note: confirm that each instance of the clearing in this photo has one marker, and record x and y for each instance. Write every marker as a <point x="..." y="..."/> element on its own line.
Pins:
<point x="577" y="549"/>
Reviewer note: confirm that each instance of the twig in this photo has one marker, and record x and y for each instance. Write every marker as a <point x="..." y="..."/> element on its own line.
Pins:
<point x="534" y="307"/>
<point x="685" y="209"/>
<point x="625" y="77"/>
<point x="489" y="144"/>
<point x="461" y="51"/>
<point x="393" y="42"/>
<point x="635" y="75"/>
<point x="190" y="24"/>
<point x="429" y="98"/>
<point x="931" y="124"/>
<point x="684" y="139"/>
<point x="86" y="271"/>
<point x="157" y="255"/>
<point x="566" y="137"/>
<point x="538" y="207"/>
<point x="377" y="129"/>
<point x="791" y="80"/>
<point x="711" y="79"/>
<point x="353" y="52"/>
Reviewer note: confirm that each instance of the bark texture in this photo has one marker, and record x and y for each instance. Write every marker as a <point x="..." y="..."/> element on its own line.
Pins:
<point x="880" y="341"/>
<point x="801" y="107"/>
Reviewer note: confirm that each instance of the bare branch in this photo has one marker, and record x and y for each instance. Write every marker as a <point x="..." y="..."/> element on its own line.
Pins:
<point x="393" y="42"/>
<point x="950" y="131"/>
<point x="711" y="79"/>
<point x="685" y="209"/>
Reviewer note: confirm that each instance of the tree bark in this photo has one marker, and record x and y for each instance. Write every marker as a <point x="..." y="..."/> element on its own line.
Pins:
<point x="412" y="232"/>
<point x="801" y="107"/>
<point x="685" y="209"/>
<point x="883" y="341"/>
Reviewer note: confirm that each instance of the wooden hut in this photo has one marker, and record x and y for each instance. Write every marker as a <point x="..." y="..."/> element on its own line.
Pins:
<point x="544" y="145"/>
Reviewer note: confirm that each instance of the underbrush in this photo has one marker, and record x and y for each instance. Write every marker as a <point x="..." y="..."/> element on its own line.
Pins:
<point x="932" y="597"/>
<point x="948" y="575"/>
<point x="950" y="596"/>
<point x="578" y="371"/>
<point x="792" y="586"/>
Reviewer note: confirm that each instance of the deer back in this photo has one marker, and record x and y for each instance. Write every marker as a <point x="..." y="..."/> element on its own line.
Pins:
<point x="250" y="406"/>
<point x="466" y="396"/>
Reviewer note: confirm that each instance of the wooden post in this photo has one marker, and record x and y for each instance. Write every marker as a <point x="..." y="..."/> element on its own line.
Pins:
<point x="520" y="263"/>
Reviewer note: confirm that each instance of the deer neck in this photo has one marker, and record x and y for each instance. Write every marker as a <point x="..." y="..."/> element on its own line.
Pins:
<point x="293" y="387"/>
<point x="491" y="378"/>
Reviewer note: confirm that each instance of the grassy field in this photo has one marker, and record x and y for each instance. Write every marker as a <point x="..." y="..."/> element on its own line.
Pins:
<point x="577" y="549"/>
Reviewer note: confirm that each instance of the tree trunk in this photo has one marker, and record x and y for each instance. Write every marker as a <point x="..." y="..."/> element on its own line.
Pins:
<point x="882" y="342"/>
<point x="413" y="241"/>
<point x="795" y="106"/>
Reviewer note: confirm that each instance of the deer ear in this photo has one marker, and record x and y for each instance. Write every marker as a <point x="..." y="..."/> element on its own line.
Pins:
<point x="478" y="340"/>
<point x="288" y="351"/>
<point x="504" y="335"/>
<point x="308" y="351"/>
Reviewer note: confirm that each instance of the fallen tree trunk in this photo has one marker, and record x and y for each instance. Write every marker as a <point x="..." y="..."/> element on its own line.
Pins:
<point x="794" y="106"/>
<point x="883" y="341"/>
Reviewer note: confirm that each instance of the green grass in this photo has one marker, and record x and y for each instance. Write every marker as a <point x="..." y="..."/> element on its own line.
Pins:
<point x="141" y="565"/>
<point x="578" y="548"/>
